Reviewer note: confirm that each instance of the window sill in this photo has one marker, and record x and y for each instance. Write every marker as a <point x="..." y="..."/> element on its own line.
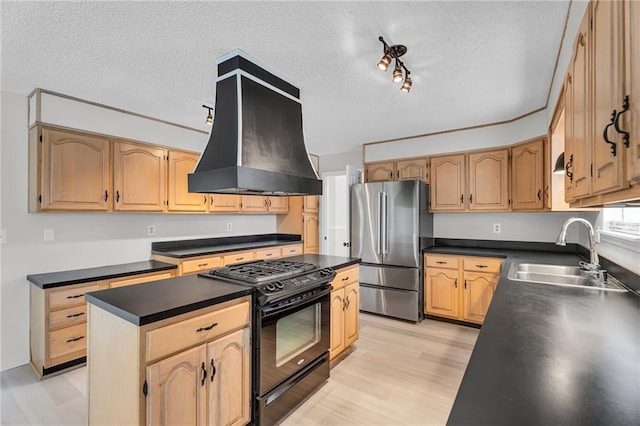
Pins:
<point x="627" y="241"/>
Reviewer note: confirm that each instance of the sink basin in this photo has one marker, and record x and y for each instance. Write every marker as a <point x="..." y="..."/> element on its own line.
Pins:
<point x="561" y="275"/>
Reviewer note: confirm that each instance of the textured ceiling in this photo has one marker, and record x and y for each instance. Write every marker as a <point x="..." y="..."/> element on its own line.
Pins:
<point x="471" y="63"/>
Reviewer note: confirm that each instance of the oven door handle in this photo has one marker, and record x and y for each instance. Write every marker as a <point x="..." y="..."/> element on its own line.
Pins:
<point x="272" y="311"/>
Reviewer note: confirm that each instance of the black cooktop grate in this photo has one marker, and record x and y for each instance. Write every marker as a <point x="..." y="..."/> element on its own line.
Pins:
<point x="262" y="271"/>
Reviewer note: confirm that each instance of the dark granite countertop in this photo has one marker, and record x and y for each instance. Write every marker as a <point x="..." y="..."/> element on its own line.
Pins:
<point x="146" y="303"/>
<point x="79" y="276"/>
<point x="142" y="304"/>
<point x="200" y="247"/>
<point x="551" y="355"/>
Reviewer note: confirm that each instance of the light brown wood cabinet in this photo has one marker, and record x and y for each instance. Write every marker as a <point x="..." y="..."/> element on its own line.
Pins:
<point x="181" y="163"/>
<point x="68" y="171"/>
<point x="264" y="204"/>
<point x="139" y="177"/>
<point x="476" y="181"/>
<point x="302" y="222"/>
<point x="406" y="169"/>
<point x="603" y="161"/>
<point x="310" y="232"/>
<point x="311" y="204"/>
<point x="277" y="204"/>
<point x="181" y="375"/>
<point x="527" y="176"/>
<point x="345" y="310"/>
<point x="458" y="287"/>
<point x="58" y="321"/>
<point x="224" y="203"/>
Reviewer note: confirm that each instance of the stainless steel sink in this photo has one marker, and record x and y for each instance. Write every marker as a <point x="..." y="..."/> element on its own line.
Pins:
<point x="561" y="275"/>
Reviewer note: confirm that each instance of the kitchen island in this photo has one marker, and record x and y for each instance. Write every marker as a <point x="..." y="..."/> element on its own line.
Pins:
<point x="548" y="354"/>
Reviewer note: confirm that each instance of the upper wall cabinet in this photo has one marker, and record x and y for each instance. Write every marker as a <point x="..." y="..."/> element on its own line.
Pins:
<point x="224" y="202"/>
<point x="139" y="173"/>
<point x="602" y="118"/>
<point x="527" y="171"/>
<point x="181" y="163"/>
<point x="448" y="177"/>
<point x="408" y="169"/>
<point x="69" y="171"/>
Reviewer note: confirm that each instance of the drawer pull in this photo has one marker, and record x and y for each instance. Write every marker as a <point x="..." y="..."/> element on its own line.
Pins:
<point x="213" y="370"/>
<point x="75" y="340"/>
<point x="75" y="315"/>
<point x="239" y="258"/>
<point x="75" y="297"/>
<point x="440" y="262"/>
<point x="292" y="251"/>
<point x="206" y="328"/>
<point x="345" y="278"/>
<point x="269" y="254"/>
<point x="481" y="266"/>
<point x="204" y="373"/>
<point x="202" y="265"/>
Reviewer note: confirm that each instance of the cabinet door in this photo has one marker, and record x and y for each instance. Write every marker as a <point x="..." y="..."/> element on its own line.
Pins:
<point x="176" y="389"/>
<point x="527" y="166"/>
<point x="448" y="183"/>
<point x="412" y="169"/>
<point x="123" y="282"/>
<point x="442" y="292"/>
<point x="76" y="172"/>
<point x="224" y="203"/>
<point x="568" y="138"/>
<point x="229" y="389"/>
<point x="311" y="204"/>
<point x="489" y="180"/>
<point x="380" y="172"/>
<point x="180" y="199"/>
<point x="253" y="203"/>
<point x="337" y="323"/>
<point x="139" y="177"/>
<point x="478" y="289"/>
<point x="581" y="123"/>
<point x="310" y="233"/>
<point x="278" y="204"/>
<point x="608" y="67"/>
<point x="631" y="118"/>
<point x="351" y="313"/>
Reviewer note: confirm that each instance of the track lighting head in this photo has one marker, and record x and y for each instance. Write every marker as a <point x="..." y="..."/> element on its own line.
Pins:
<point x="209" y="119"/>
<point x="406" y="85"/>
<point x="397" y="73"/>
<point x="394" y="52"/>
<point x="384" y="62"/>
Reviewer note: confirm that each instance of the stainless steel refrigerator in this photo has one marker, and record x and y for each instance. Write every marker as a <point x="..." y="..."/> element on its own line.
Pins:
<point x="390" y="225"/>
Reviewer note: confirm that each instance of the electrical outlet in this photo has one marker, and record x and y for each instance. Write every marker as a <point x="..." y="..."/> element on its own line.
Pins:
<point x="151" y="230"/>
<point x="49" y="235"/>
<point x="496" y="228"/>
<point x="229" y="226"/>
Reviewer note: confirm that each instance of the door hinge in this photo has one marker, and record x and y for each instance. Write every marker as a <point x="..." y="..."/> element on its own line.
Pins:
<point x="145" y="388"/>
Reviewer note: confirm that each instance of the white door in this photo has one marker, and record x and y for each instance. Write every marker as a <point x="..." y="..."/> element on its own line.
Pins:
<point x="335" y="205"/>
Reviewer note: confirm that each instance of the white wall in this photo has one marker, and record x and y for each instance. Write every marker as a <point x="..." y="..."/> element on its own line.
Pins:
<point x="339" y="162"/>
<point x="81" y="239"/>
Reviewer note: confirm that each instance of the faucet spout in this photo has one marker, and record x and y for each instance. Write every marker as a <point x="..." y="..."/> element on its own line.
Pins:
<point x="594" y="261"/>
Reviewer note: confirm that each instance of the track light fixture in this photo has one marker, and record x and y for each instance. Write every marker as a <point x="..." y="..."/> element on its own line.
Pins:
<point x="209" y="119"/>
<point x="394" y="52"/>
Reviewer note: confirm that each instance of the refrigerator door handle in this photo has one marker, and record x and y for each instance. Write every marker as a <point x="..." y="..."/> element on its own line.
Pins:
<point x="383" y="220"/>
<point x="379" y="224"/>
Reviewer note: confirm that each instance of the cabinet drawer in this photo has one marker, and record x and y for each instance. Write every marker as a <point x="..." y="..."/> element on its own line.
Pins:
<point x="72" y="297"/>
<point x="176" y="337"/>
<point x="272" y="253"/>
<point x="482" y="264"/>
<point x="345" y="277"/>
<point x="243" y="256"/>
<point x="292" y="250"/>
<point x="67" y="340"/>
<point x="202" y="264"/>
<point x="68" y="317"/>
<point x="140" y="280"/>
<point x="447" y="262"/>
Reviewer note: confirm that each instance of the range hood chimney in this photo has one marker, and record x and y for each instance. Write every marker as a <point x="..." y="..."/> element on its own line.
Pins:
<point x="256" y="144"/>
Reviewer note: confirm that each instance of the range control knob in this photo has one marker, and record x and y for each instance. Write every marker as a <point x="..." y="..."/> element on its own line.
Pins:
<point x="270" y="287"/>
<point x="279" y="285"/>
<point x="326" y="272"/>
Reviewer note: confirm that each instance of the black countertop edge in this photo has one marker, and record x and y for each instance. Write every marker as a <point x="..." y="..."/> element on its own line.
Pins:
<point x="503" y="245"/>
<point x="79" y="276"/>
<point x="168" y="246"/>
<point x="325" y="261"/>
<point x="188" y="252"/>
<point x="93" y="298"/>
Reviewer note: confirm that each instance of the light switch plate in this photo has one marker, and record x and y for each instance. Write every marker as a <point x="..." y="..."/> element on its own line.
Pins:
<point x="49" y="235"/>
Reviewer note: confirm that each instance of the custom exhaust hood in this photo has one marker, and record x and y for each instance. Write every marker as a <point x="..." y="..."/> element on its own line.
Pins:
<point x="256" y="144"/>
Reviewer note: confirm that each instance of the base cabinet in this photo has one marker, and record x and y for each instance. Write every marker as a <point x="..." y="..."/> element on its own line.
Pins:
<point x="460" y="288"/>
<point x="345" y="310"/>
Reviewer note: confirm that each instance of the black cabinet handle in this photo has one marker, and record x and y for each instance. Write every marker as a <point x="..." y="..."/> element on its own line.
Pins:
<point x="606" y="130"/>
<point x="440" y="262"/>
<point x="106" y="195"/>
<point x="204" y="374"/>
<point x="616" y="123"/>
<point x="481" y="266"/>
<point x="75" y="315"/>
<point x="461" y="198"/>
<point x="471" y="198"/>
<point x="206" y="328"/>
<point x="569" y="166"/>
<point x="75" y="340"/>
<point x="465" y="284"/>
<point x="213" y="370"/>
<point x="539" y="191"/>
<point x="75" y="297"/>
<point x="455" y="283"/>
<point x="117" y="196"/>
<point x="398" y="174"/>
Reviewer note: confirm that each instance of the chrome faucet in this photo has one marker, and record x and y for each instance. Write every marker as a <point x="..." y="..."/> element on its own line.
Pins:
<point x="594" y="261"/>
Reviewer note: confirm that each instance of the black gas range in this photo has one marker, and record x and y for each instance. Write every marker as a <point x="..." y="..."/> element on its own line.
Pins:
<point x="291" y="331"/>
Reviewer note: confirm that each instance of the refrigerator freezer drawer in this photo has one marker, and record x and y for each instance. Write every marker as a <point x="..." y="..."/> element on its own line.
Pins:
<point x="390" y="276"/>
<point x="393" y="303"/>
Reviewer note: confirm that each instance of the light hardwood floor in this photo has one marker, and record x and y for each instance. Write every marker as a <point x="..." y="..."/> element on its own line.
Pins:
<point x="398" y="374"/>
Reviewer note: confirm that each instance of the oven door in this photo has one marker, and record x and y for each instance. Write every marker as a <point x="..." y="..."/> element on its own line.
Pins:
<point x="292" y="337"/>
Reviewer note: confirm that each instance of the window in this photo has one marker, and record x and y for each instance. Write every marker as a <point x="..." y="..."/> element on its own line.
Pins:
<point x="622" y="220"/>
